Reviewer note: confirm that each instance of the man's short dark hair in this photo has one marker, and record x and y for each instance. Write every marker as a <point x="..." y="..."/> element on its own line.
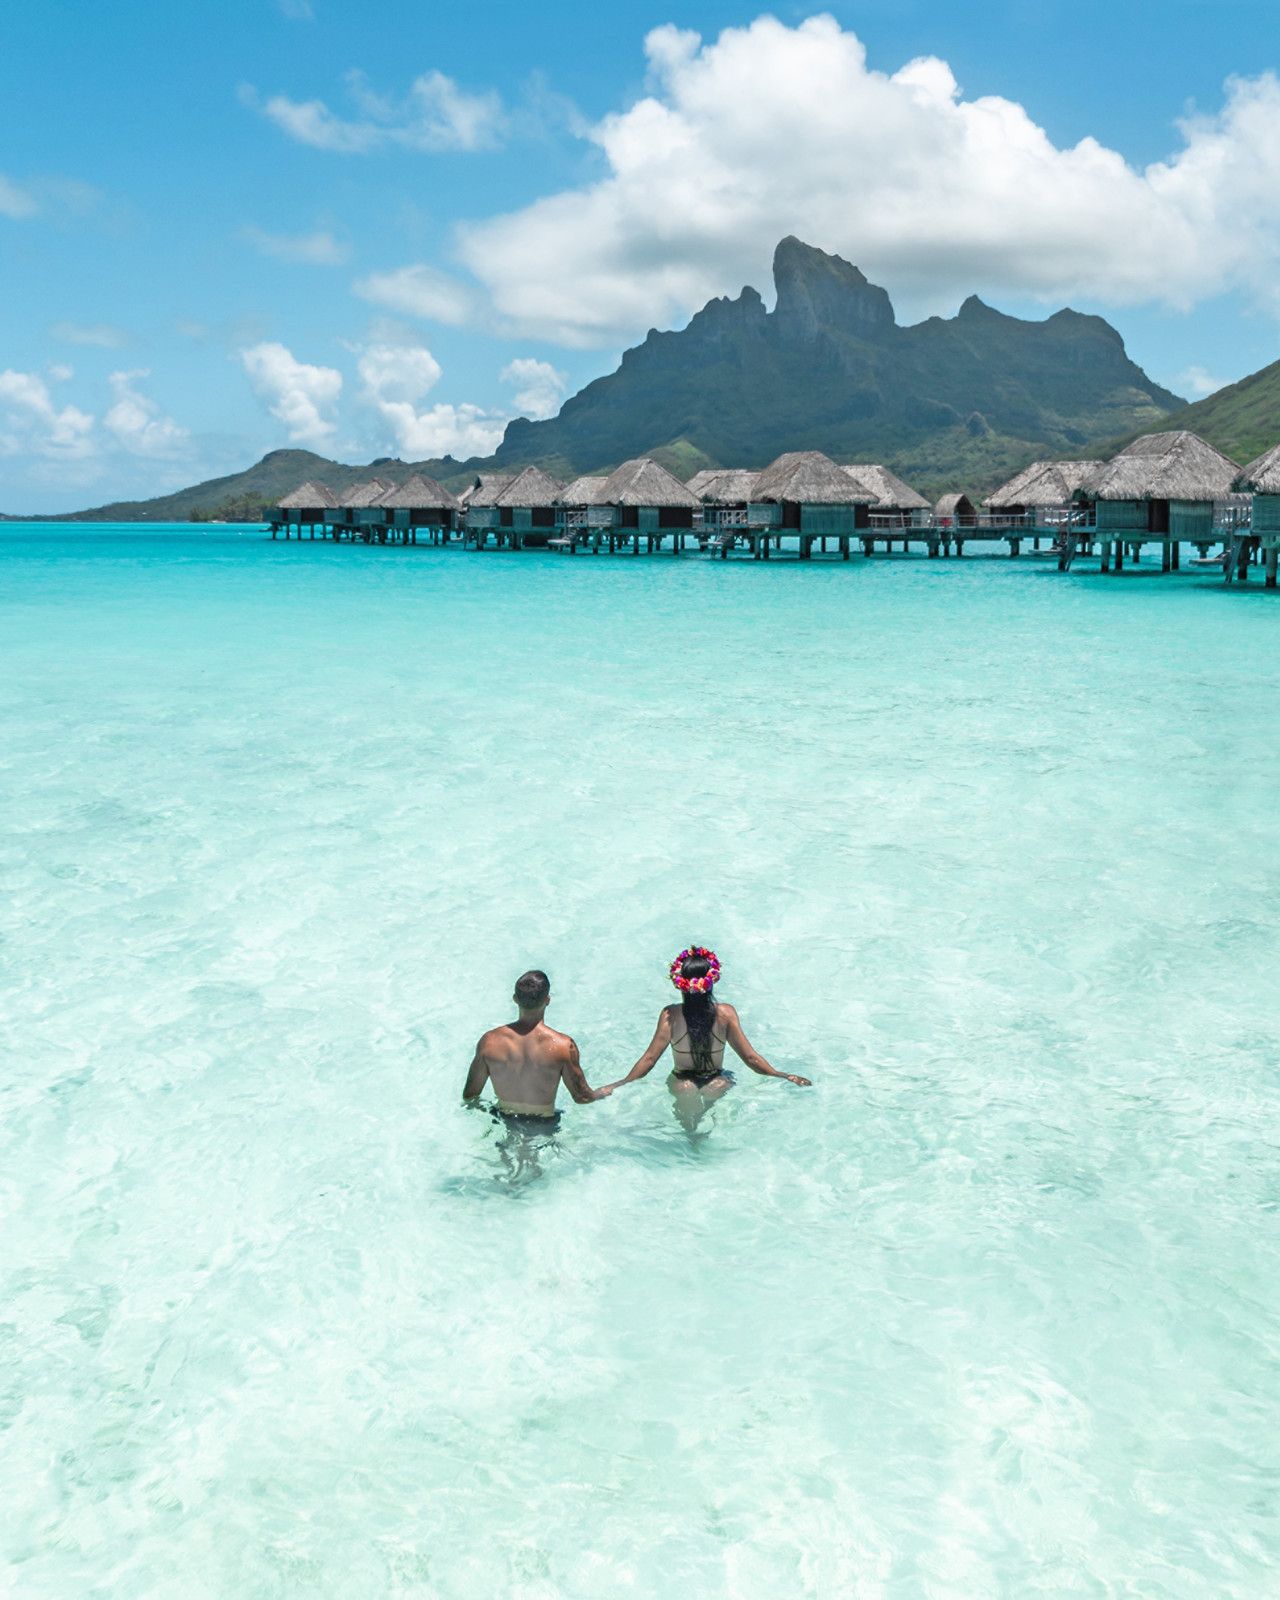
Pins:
<point x="533" y="989"/>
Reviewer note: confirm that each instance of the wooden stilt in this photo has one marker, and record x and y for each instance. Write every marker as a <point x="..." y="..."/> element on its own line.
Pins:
<point x="1273" y="553"/>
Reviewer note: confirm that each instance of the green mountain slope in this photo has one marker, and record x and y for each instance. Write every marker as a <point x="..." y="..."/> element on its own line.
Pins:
<point x="245" y="495"/>
<point x="950" y="400"/>
<point x="1243" y="420"/>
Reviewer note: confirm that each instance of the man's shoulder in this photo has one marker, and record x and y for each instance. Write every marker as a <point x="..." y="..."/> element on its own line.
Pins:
<point x="559" y="1041"/>
<point x="493" y="1036"/>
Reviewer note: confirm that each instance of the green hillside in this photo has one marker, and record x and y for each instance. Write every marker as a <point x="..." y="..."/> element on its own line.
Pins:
<point x="1243" y="420"/>
<point x="244" y="496"/>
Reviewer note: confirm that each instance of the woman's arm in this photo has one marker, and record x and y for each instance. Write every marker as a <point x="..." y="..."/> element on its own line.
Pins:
<point x="649" y="1060"/>
<point x="747" y="1053"/>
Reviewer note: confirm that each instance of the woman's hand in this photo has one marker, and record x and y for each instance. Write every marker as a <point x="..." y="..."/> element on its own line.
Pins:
<point x="800" y="1083"/>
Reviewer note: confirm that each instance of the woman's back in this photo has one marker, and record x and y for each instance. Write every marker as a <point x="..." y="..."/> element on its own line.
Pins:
<point x="682" y="1043"/>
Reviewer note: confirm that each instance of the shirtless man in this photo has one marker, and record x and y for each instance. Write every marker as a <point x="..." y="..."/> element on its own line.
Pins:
<point x="526" y="1062"/>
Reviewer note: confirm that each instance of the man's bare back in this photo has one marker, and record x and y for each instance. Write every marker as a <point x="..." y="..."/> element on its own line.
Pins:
<point x="526" y="1061"/>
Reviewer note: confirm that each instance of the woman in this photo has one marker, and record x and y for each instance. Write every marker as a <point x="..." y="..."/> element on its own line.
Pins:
<point x="697" y="1030"/>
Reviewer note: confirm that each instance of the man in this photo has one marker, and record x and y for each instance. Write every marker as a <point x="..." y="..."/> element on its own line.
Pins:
<point x="526" y="1062"/>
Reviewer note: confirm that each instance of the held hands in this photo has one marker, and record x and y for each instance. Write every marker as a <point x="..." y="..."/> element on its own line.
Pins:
<point x="800" y="1083"/>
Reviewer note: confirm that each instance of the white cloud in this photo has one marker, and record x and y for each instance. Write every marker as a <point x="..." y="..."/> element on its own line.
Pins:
<point x="396" y="379"/>
<point x="420" y="291"/>
<point x="436" y="114"/>
<point x="298" y="10"/>
<point x="318" y="249"/>
<point x="539" y="386"/>
<point x="929" y="192"/>
<point x="135" y="422"/>
<point x="16" y="202"/>
<point x="1199" y="382"/>
<point x="101" y="335"/>
<point x="295" y="393"/>
<point x="32" y="424"/>
<point x="398" y="372"/>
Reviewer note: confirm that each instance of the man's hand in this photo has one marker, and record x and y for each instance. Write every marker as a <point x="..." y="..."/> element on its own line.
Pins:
<point x="800" y="1083"/>
<point x="603" y="1094"/>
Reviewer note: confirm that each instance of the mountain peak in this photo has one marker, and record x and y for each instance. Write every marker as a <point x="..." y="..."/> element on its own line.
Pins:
<point x="818" y="292"/>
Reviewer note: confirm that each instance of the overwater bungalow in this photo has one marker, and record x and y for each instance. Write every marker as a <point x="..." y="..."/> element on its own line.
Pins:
<point x="420" y="506"/>
<point x="647" y="500"/>
<point x="522" y="512"/>
<point x="807" y="494"/>
<point x="357" y="513"/>
<point x="1162" y="487"/>
<point x="305" y="507"/>
<point x="896" y="502"/>
<point x="1261" y="480"/>
<point x="582" y="505"/>
<point x="955" y="511"/>
<point x="726" y="496"/>
<point x="483" y="489"/>
<point x="1045" y="491"/>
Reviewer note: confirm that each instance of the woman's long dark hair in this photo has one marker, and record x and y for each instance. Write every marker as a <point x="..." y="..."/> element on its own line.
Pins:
<point x="699" y="1014"/>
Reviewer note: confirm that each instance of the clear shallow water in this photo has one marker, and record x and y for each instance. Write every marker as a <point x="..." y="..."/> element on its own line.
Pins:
<point x="989" y="852"/>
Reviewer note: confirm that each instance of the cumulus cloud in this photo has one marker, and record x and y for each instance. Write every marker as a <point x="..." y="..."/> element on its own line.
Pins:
<point x="436" y="114"/>
<point x="31" y="423"/>
<point x="15" y="202"/>
<point x="318" y="249"/>
<point x="930" y="192"/>
<point x="539" y="386"/>
<point x="295" y="393"/>
<point x="396" y="378"/>
<point x="420" y="291"/>
<point x="134" y="421"/>
<point x="100" y="335"/>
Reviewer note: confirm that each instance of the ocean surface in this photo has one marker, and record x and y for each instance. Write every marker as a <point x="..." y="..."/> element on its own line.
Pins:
<point x="989" y="852"/>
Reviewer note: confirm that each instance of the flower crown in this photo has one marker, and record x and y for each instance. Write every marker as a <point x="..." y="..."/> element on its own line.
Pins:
<point x="696" y="985"/>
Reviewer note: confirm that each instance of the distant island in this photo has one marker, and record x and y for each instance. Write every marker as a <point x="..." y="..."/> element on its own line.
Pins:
<point x="949" y="403"/>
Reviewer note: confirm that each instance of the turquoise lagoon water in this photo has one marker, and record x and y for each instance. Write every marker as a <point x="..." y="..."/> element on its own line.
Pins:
<point x="989" y="852"/>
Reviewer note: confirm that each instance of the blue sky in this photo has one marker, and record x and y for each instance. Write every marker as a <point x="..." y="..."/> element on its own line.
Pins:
<point x="385" y="229"/>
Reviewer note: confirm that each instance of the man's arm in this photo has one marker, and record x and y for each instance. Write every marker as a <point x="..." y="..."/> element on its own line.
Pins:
<point x="574" y="1080"/>
<point x="649" y="1060"/>
<point x="746" y="1051"/>
<point x="477" y="1076"/>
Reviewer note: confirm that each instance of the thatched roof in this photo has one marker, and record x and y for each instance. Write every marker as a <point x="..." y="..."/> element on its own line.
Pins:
<point x="307" y="496"/>
<point x="364" y="494"/>
<point x="485" y="490"/>
<point x="727" y="486"/>
<point x="420" y="493"/>
<point x="532" y="488"/>
<point x="1261" y="476"/>
<point x="585" y="491"/>
<point x="1045" y="483"/>
<point x="700" y="480"/>
<point x="807" y="477"/>
<point x="643" y="482"/>
<point x="1166" y="466"/>
<point x="954" y="505"/>
<point x="891" y="493"/>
